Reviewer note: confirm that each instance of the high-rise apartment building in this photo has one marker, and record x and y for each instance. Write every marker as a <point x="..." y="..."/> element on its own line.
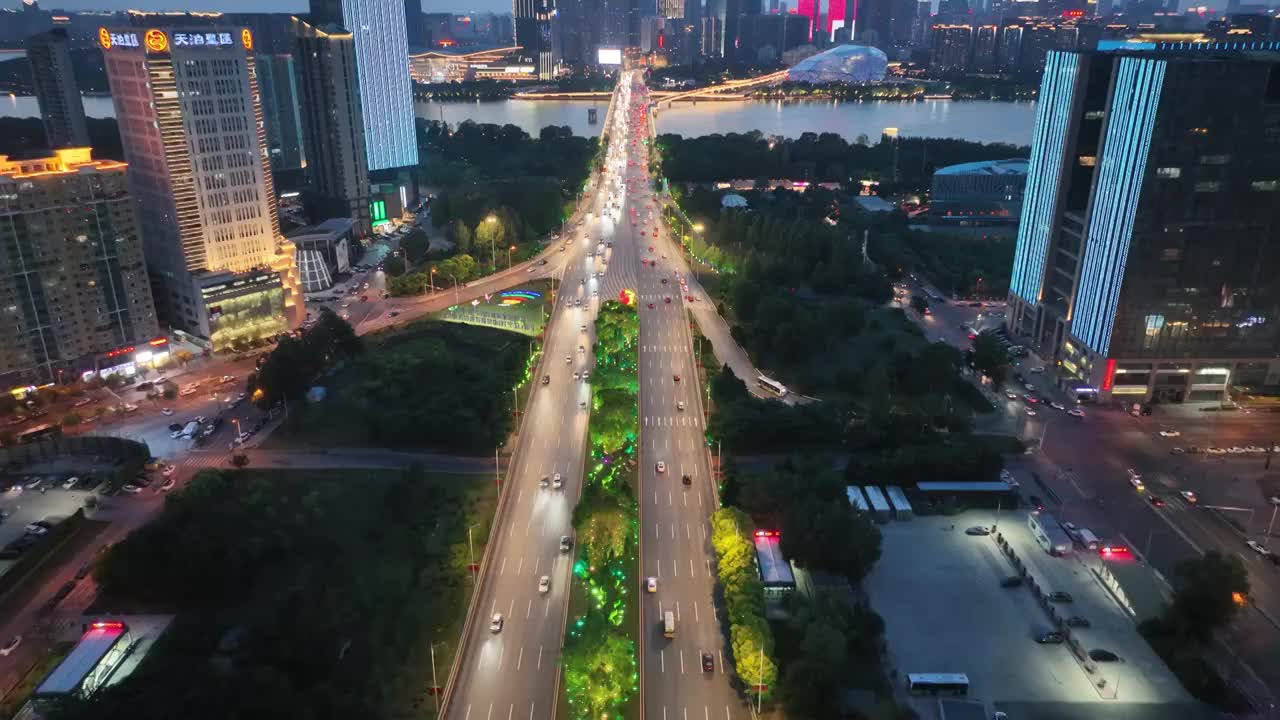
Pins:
<point x="329" y="86"/>
<point x="190" y="116"/>
<point x="1146" y="264"/>
<point x="72" y="273"/>
<point x="382" y="58"/>
<point x="57" y="90"/>
<point x="950" y="47"/>
<point x="281" y="111"/>
<point x="536" y="33"/>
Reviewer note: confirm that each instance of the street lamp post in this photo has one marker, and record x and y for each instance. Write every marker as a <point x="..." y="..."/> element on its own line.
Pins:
<point x="431" y="279"/>
<point x="493" y="238"/>
<point x="472" y="549"/>
<point x="513" y="247"/>
<point x="456" y="301"/>
<point x="435" y="684"/>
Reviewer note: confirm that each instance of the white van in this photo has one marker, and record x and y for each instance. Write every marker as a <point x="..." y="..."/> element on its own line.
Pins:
<point x="668" y="624"/>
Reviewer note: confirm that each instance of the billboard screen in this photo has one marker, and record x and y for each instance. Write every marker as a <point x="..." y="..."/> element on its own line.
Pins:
<point x="609" y="56"/>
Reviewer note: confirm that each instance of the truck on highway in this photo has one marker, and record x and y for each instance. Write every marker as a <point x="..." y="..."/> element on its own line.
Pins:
<point x="668" y="624"/>
<point x="1088" y="539"/>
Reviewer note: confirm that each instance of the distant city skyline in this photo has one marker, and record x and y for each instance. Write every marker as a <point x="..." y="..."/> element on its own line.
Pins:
<point x="282" y="6"/>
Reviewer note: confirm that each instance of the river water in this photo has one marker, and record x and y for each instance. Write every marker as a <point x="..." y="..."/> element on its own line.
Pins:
<point x="980" y="121"/>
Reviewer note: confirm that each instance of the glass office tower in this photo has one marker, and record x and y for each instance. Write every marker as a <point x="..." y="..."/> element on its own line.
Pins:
<point x="1147" y="264"/>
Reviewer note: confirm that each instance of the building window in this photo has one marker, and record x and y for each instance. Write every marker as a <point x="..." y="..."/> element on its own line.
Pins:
<point x="1215" y="159"/>
<point x="1169" y="172"/>
<point x="1088" y="161"/>
<point x="1171" y="254"/>
<point x="1207" y="186"/>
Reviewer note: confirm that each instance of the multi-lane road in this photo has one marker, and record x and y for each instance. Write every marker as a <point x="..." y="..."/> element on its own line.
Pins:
<point x="675" y="545"/>
<point x="513" y="672"/>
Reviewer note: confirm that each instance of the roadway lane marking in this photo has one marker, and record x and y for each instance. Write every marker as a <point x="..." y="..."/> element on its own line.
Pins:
<point x="520" y="566"/>
<point x="686" y="499"/>
<point x="537" y="564"/>
<point x="691" y="573"/>
<point x="662" y="665"/>
<point x="511" y="710"/>
<point x="715" y="616"/>
<point x="501" y="652"/>
<point x="675" y="569"/>
<point x="671" y="502"/>
<point x="721" y="654"/>
<point x="695" y="610"/>
<point x="504" y="566"/>
<point x="490" y="715"/>
<point x="688" y="532"/>
<point x="682" y="672"/>
<point x="531" y="710"/>
<point x="468" y="715"/>
<point x="546" y="610"/>
<point x="655" y="532"/>
<point x="673" y="531"/>
<point x="520" y="658"/>
<point x="655" y="497"/>
<point x="528" y="610"/>
<point x="511" y="607"/>
<point x="539" y="657"/>
<point x="678" y="612"/>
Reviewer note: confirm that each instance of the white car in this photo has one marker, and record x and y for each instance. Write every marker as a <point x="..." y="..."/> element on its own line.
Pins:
<point x="1036" y="370"/>
<point x="242" y="438"/>
<point x="70" y="482"/>
<point x="680" y="406"/>
<point x="1076" y="412"/>
<point x="651" y="584"/>
<point x="1030" y="412"/>
<point x="568" y="359"/>
<point x="1257" y="547"/>
<point x="1170" y="433"/>
<point x="1189" y="496"/>
<point x="132" y="489"/>
<point x="495" y="623"/>
<point x="557" y="482"/>
<point x="1011" y="395"/>
<point x="544" y="584"/>
<point x="1057" y="405"/>
<point x="661" y="467"/>
<point x="166" y="411"/>
<point x="1136" y="482"/>
<point x="169" y="470"/>
<point x="10" y="646"/>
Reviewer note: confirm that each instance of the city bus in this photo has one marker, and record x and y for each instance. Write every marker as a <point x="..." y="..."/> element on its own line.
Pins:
<point x="772" y="386"/>
<point x="938" y="683"/>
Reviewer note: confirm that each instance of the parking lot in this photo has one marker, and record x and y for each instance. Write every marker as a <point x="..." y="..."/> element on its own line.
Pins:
<point x="22" y="505"/>
<point x="939" y="591"/>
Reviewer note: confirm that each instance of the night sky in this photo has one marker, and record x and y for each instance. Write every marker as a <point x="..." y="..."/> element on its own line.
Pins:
<point x="289" y="6"/>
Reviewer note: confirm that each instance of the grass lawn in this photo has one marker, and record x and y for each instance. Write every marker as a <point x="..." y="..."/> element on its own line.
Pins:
<point x="429" y="385"/>
<point x="328" y="585"/>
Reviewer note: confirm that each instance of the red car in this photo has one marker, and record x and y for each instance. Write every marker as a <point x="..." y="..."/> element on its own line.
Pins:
<point x="676" y="378"/>
<point x="667" y="300"/>
<point x="650" y="306"/>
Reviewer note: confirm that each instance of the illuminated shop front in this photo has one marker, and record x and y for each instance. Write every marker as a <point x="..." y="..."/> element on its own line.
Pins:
<point x="245" y="308"/>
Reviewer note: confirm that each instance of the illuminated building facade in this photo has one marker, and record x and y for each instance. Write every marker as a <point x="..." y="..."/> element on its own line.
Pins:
<point x="1145" y="263"/>
<point x="497" y="64"/>
<point x="382" y="59"/>
<point x="72" y="275"/>
<point x="190" y="116"/>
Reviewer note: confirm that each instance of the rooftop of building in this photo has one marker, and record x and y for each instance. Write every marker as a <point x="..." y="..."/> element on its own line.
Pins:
<point x="332" y="226"/>
<point x="93" y="646"/>
<point x="62" y="162"/>
<point x="1012" y="166"/>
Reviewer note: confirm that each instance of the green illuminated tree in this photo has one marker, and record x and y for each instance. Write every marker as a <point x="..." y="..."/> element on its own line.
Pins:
<point x="752" y="645"/>
<point x="599" y="673"/>
<point x="614" y="421"/>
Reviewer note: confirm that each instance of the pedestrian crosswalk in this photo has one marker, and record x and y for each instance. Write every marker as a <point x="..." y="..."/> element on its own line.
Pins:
<point x="664" y="348"/>
<point x="195" y="462"/>
<point x="670" y="421"/>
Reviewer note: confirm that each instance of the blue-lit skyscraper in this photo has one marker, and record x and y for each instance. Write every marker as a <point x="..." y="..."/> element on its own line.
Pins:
<point x="382" y="62"/>
<point x="1147" y="264"/>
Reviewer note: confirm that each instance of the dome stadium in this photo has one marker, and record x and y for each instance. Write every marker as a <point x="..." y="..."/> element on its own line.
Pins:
<point x="841" y="64"/>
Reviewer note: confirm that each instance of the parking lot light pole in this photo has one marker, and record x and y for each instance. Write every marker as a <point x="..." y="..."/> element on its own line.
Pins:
<point x="1266" y="542"/>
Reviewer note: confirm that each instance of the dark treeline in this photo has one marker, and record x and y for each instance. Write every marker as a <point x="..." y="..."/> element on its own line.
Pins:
<point x="820" y="158"/>
<point x="24" y="137"/>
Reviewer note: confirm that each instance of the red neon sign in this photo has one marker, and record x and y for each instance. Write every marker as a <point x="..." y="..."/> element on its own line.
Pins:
<point x="1108" y="379"/>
